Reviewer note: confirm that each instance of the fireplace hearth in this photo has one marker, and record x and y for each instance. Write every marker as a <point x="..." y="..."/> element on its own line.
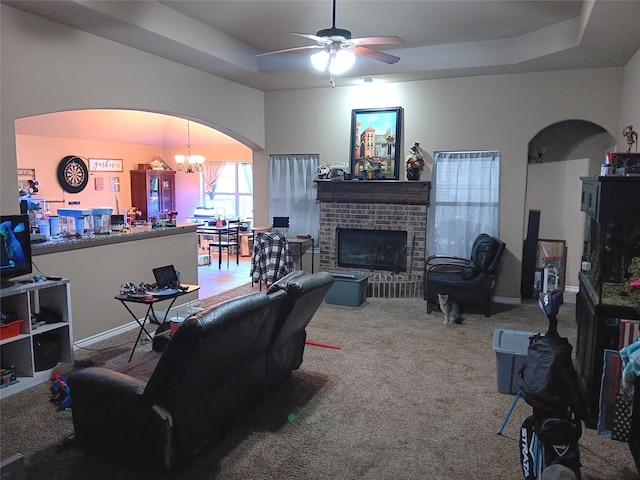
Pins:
<point x="377" y="209"/>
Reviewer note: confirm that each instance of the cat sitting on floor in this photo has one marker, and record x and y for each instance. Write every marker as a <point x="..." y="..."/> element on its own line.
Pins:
<point x="451" y="310"/>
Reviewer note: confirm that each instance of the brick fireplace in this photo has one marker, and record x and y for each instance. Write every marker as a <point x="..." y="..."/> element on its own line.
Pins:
<point x="376" y="205"/>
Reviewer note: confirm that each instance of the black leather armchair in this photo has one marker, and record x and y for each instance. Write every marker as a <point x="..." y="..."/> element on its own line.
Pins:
<point x="468" y="282"/>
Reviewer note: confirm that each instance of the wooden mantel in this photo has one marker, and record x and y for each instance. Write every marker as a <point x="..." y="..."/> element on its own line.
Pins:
<point x="374" y="191"/>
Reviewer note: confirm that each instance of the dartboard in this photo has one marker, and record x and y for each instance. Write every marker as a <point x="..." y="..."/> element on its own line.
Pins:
<point x="73" y="174"/>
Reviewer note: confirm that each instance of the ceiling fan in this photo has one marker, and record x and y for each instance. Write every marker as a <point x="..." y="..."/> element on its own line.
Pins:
<point x="337" y="48"/>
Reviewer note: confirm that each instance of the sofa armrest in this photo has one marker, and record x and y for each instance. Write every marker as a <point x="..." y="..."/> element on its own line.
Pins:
<point x="450" y="267"/>
<point x="97" y="387"/>
<point x="438" y="259"/>
<point x="111" y="417"/>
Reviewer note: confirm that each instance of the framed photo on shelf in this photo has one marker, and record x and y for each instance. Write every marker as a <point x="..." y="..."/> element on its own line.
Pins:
<point x="551" y="258"/>
<point x="376" y="137"/>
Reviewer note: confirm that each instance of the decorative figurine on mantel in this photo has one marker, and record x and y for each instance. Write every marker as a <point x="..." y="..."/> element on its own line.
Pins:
<point x="323" y="171"/>
<point x="415" y="162"/>
<point x="631" y="136"/>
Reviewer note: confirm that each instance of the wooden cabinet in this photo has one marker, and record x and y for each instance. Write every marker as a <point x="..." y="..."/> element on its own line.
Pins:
<point x="612" y="242"/>
<point x="35" y="352"/>
<point x="153" y="192"/>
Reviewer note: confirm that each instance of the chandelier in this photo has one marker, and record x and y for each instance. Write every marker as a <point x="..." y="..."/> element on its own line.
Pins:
<point x="189" y="163"/>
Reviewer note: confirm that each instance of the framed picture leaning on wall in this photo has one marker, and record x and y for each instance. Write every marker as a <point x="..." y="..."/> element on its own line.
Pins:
<point x="552" y="260"/>
<point x="375" y="143"/>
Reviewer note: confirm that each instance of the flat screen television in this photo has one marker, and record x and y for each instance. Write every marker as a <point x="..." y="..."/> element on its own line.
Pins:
<point x="15" y="254"/>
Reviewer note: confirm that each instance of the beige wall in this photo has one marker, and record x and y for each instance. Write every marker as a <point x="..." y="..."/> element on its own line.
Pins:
<point x="96" y="275"/>
<point x="48" y="67"/>
<point x="630" y="104"/>
<point x="555" y="189"/>
<point x="491" y="112"/>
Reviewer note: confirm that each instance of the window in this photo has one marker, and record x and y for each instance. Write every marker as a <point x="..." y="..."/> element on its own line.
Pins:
<point x="232" y="193"/>
<point x="464" y="201"/>
<point x="292" y="191"/>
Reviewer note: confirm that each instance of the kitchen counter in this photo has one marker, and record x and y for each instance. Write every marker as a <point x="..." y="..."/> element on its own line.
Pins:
<point x="67" y="244"/>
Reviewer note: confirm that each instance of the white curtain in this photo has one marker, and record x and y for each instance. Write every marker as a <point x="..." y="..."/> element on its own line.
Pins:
<point x="464" y="201"/>
<point x="292" y="192"/>
<point x="211" y="171"/>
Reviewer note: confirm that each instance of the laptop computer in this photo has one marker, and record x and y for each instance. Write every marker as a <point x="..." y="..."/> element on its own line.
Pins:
<point x="166" y="280"/>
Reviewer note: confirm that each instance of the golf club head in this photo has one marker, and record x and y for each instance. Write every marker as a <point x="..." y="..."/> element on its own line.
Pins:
<point x="550" y="303"/>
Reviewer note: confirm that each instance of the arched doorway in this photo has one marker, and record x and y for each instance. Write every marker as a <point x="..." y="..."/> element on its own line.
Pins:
<point x="558" y="155"/>
<point x="134" y="137"/>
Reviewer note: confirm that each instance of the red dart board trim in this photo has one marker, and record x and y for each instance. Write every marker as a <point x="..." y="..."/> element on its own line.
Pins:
<point x="73" y="174"/>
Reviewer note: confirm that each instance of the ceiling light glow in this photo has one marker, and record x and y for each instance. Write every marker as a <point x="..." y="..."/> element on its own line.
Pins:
<point x="336" y="62"/>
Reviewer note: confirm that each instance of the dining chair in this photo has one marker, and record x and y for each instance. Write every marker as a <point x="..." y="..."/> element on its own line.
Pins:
<point x="227" y="240"/>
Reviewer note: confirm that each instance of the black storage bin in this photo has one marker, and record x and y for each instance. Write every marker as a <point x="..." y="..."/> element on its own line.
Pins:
<point x="46" y="349"/>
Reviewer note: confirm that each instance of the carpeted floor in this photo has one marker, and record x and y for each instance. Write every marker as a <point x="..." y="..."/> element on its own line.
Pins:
<point x="405" y="397"/>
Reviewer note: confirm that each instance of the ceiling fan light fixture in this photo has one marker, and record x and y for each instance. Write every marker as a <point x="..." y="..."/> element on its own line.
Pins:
<point x="320" y="60"/>
<point x="341" y="61"/>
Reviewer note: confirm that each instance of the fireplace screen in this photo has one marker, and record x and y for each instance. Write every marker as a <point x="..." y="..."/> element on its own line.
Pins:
<point x="372" y="249"/>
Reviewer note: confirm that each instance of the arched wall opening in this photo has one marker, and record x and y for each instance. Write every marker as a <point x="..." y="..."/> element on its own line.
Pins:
<point x="132" y="136"/>
<point x="558" y="156"/>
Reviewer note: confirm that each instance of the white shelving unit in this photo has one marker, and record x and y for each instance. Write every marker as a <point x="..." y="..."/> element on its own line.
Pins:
<point x="22" y="351"/>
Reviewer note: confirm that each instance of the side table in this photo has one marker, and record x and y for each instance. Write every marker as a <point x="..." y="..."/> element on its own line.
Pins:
<point x="150" y="315"/>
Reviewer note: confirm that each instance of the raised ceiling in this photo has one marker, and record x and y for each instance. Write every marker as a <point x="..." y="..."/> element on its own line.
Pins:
<point x="443" y="38"/>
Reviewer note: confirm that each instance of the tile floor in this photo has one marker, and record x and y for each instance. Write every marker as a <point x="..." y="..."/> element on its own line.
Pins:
<point x="213" y="280"/>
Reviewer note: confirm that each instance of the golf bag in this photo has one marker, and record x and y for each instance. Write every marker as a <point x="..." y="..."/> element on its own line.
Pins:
<point x="549" y="383"/>
<point x="546" y="441"/>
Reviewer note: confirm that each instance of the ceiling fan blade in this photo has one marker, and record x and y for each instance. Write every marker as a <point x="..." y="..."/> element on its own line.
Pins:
<point x="377" y="40"/>
<point x="376" y="55"/>
<point x="315" y="38"/>
<point x="307" y="47"/>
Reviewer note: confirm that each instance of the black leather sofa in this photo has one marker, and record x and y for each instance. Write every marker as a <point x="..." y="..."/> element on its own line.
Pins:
<point x="216" y="365"/>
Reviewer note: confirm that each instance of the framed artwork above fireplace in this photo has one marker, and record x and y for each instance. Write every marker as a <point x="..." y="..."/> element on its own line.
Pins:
<point x="376" y="136"/>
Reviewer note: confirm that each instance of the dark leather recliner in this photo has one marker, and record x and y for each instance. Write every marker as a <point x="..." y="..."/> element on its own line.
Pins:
<point x="468" y="282"/>
<point x="217" y="364"/>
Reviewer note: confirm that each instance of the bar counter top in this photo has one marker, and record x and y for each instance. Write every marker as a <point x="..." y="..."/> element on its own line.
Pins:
<point x="138" y="233"/>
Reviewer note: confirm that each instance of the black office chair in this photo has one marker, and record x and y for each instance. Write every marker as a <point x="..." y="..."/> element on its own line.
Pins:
<point x="227" y="240"/>
<point x="280" y="224"/>
<point x="468" y="282"/>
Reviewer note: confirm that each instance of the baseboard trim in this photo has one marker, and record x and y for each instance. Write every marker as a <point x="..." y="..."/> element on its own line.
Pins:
<point x="507" y="300"/>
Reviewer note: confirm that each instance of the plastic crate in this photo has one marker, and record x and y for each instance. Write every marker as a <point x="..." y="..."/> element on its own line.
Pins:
<point x="348" y="289"/>
<point x="511" y="348"/>
<point x="9" y="330"/>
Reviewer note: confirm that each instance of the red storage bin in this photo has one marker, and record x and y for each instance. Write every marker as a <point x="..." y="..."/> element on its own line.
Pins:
<point x="9" y="330"/>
